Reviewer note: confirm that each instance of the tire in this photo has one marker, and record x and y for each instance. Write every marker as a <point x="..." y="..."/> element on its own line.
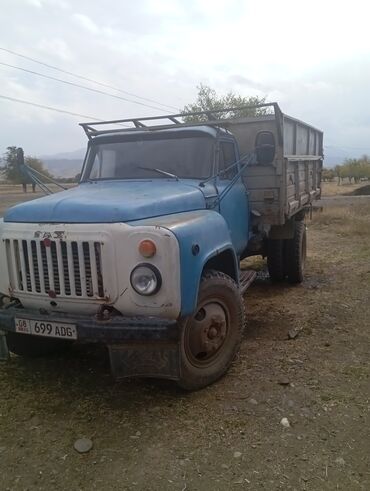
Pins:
<point x="34" y="346"/>
<point x="275" y="259"/>
<point x="211" y="338"/>
<point x="295" y="253"/>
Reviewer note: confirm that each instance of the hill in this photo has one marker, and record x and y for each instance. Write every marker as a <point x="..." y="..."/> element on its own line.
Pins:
<point x="65" y="164"/>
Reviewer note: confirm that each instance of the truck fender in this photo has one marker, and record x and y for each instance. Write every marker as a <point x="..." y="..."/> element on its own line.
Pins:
<point x="204" y="242"/>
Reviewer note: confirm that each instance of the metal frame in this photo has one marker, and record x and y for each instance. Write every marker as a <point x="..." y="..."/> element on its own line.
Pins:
<point x="172" y="120"/>
<point x="34" y="175"/>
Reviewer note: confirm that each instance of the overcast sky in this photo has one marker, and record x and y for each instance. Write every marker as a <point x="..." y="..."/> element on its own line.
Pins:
<point x="312" y="57"/>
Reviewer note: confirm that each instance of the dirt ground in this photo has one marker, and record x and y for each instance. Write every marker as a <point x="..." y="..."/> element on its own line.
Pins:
<point x="345" y="187"/>
<point x="149" y="435"/>
<point x="11" y="195"/>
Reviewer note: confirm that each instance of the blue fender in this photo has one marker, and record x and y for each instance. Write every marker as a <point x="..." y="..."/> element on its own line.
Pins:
<point x="202" y="234"/>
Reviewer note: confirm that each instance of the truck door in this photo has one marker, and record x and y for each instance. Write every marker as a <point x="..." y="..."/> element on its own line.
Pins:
<point x="234" y="207"/>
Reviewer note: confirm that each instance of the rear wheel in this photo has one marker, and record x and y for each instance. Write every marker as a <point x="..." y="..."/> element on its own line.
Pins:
<point x="33" y="346"/>
<point x="211" y="337"/>
<point x="295" y="253"/>
<point x="275" y="259"/>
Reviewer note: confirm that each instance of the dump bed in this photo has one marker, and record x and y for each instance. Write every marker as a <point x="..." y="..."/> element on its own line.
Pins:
<point x="292" y="181"/>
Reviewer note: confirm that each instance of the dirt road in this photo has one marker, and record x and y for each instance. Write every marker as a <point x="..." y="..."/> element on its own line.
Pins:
<point x="341" y="200"/>
<point x="149" y="435"/>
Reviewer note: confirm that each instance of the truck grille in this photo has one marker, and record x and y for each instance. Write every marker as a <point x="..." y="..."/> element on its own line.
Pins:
<point x="66" y="268"/>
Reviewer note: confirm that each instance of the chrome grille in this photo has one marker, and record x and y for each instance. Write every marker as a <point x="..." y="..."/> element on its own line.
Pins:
<point x="67" y="268"/>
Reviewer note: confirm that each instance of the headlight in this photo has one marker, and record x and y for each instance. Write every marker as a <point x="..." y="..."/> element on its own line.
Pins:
<point x="146" y="279"/>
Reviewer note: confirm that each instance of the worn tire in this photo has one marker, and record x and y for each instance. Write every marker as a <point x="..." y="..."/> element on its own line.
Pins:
<point x="295" y="253"/>
<point x="34" y="346"/>
<point x="275" y="259"/>
<point x="217" y="293"/>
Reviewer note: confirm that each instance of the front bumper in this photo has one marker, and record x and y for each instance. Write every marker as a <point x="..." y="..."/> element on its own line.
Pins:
<point x="138" y="346"/>
<point x="115" y="330"/>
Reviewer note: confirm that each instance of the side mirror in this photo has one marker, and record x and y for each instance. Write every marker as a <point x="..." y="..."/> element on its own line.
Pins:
<point x="265" y="147"/>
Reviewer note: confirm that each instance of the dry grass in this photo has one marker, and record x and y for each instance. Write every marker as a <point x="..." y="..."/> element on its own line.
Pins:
<point x="332" y="188"/>
<point x="351" y="220"/>
<point x="12" y="194"/>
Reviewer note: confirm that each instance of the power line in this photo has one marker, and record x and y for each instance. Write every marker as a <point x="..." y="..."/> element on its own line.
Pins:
<point x="98" y="91"/>
<point x="58" y="110"/>
<point x="86" y="78"/>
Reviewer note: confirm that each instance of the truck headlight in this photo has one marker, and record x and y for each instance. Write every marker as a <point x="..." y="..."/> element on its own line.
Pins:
<point x="146" y="279"/>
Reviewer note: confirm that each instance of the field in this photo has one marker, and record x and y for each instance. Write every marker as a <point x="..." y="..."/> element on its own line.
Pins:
<point x="149" y="435"/>
<point x="11" y="195"/>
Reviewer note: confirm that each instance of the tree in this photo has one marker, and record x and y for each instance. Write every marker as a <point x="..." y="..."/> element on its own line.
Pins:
<point x="11" y="171"/>
<point x="338" y="173"/>
<point x="38" y="165"/>
<point x="328" y="174"/>
<point x="354" y="169"/>
<point x="208" y="100"/>
<point x="9" y="168"/>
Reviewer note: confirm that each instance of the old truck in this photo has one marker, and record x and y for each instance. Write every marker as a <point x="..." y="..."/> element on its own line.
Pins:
<point x="144" y="254"/>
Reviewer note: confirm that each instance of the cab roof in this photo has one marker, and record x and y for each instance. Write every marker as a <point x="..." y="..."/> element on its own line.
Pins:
<point x="195" y="131"/>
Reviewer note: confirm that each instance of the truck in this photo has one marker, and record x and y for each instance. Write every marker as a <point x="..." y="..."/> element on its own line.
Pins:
<point x="143" y="255"/>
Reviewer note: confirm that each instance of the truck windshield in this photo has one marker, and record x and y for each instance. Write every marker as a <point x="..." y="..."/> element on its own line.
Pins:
<point x="184" y="157"/>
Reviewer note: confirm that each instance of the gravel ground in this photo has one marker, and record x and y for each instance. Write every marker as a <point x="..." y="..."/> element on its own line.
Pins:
<point x="149" y="435"/>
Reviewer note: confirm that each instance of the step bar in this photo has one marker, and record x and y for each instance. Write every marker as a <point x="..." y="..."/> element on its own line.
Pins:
<point x="246" y="278"/>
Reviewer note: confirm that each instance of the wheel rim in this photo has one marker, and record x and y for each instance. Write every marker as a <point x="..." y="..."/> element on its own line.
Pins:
<point x="206" y="333"/>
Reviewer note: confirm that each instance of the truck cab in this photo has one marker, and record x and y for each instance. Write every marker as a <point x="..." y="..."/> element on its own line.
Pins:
<point x="143" y="255"/>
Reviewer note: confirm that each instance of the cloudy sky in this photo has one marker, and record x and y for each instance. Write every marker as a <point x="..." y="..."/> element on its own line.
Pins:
<point x="312" y="57"/>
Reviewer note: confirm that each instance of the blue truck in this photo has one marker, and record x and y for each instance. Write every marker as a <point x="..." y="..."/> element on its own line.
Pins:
<point x="144" y="254"/>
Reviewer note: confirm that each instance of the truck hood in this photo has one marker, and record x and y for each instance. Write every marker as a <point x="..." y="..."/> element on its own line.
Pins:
<point x="111" y="201"/>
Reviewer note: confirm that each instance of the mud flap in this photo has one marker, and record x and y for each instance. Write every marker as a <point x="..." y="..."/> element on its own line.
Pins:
<point x="4" y="352"/>
<point x="158" y="360"/>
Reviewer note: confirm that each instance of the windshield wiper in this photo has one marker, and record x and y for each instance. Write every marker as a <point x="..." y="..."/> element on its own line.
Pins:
<point x="160" y="171"/>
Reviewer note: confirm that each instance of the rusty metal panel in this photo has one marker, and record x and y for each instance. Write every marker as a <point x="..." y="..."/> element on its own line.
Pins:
<point x="292" y="181"/>
<point x="246" y="131"/>
<point x="301" y="138"/>
<point x="302" y="183"/>
<point x="289" y="137"/>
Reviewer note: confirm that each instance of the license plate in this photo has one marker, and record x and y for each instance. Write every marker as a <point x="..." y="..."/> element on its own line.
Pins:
<point x="46" y="328"/>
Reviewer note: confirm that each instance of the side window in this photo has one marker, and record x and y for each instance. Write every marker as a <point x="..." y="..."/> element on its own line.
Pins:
<point x="95" y="170"/>
<point x="104" y="165"/>
<point x="227" y="157"/>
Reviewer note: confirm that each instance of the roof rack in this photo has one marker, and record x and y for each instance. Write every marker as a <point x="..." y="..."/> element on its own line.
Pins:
<point x="173" y="120"/>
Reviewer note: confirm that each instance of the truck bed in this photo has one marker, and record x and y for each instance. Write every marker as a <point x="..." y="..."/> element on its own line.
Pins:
<point x="293" y="181"/>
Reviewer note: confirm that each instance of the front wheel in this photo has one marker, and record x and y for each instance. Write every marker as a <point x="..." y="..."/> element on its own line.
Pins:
<point x="211" y="337"/>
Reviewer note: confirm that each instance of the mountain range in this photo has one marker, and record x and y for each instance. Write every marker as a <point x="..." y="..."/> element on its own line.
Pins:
<point x="65" y="164"/>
